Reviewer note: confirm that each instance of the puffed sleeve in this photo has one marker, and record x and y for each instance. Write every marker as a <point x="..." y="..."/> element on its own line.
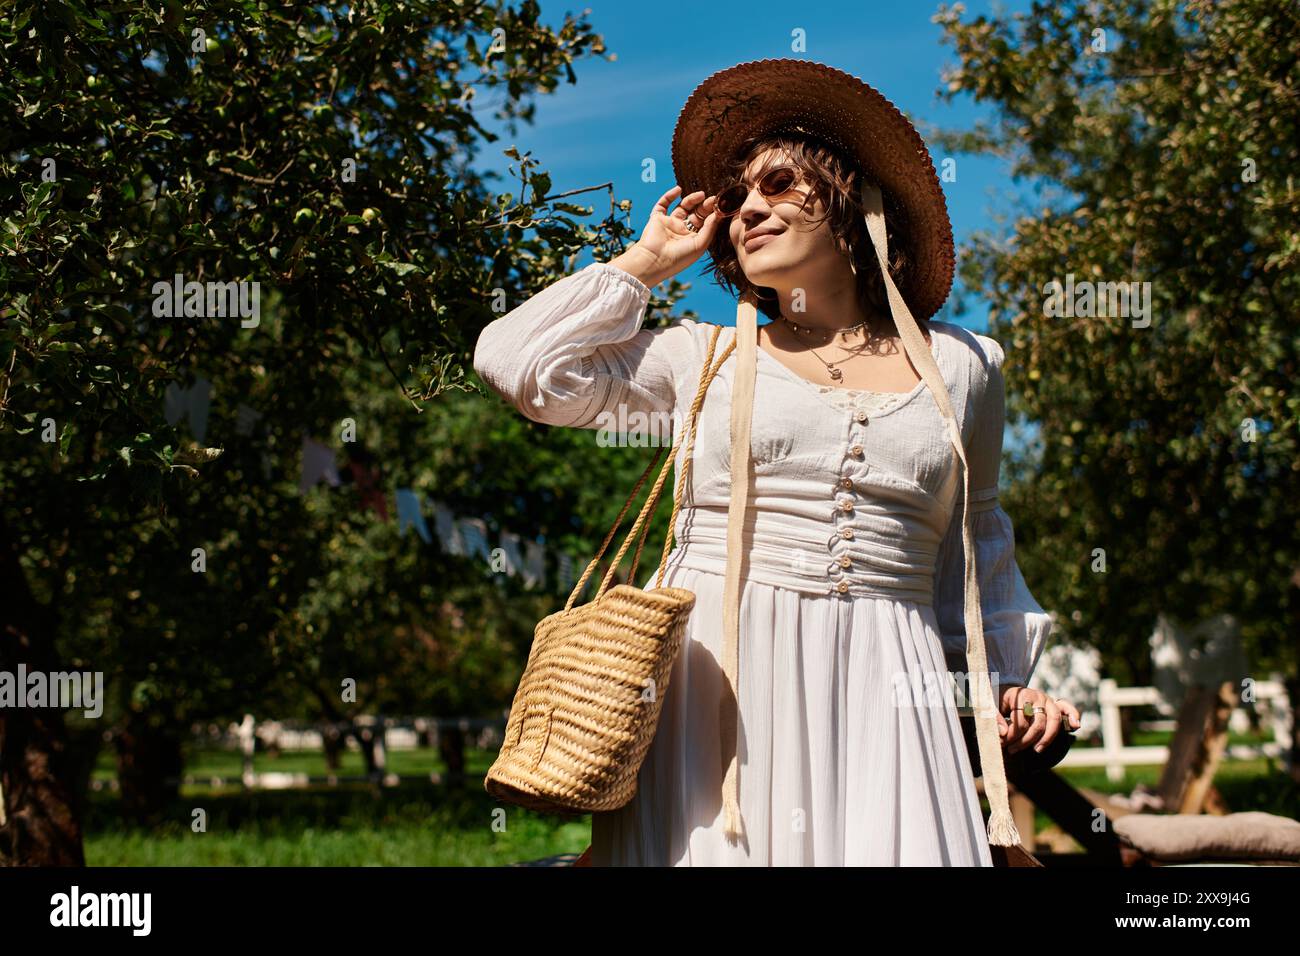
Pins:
<point x="575" y="355"/>
<point x="1015" y="627"/>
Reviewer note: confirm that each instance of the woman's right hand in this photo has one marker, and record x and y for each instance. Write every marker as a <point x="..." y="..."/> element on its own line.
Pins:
<point x="666" y="246"/>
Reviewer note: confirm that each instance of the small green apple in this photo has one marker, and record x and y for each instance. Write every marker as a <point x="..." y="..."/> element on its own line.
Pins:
<point x="369" y="215"/>
<point x="303" y="216"/>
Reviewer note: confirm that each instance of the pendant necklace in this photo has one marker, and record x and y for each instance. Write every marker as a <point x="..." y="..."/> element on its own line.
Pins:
<point x="835" y="373"/>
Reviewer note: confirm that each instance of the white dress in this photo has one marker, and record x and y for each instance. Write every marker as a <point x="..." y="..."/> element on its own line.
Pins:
<point x="852" y="598"/>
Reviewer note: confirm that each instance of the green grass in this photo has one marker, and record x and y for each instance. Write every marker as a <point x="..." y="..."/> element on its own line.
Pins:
<point x="424" y="824"/>
<point x="415" y="824"/>
<point x="1154" y="738"/>
<point x="340" y="828"/>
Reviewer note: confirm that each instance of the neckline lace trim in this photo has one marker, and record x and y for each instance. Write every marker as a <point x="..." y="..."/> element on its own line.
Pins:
<point x="865" y="398"/>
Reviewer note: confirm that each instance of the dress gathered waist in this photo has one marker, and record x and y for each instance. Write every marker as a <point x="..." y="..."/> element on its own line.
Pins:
<point x="813" y="557"/>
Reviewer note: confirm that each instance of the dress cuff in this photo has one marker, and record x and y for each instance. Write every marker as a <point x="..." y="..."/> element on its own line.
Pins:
<point x="622" y="275"/>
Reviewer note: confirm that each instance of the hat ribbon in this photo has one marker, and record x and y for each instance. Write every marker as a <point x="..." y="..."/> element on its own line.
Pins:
<point x="1001" y="828"/>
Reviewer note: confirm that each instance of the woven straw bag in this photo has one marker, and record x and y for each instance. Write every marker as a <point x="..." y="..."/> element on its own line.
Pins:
<point x="588" y="703"/>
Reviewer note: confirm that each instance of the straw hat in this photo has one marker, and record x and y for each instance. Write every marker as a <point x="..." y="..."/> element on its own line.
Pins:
<point x="734" y="106"/>
<point x="727" y="112"/>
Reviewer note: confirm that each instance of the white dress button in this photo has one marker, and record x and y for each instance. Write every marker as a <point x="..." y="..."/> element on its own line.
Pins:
<point x="846" y="506"/>
<point x="846" y="561"/>
<point x="861" y="416"/>
<point x="856" y="451"/>
<point x="842" y="586"/>
<point x="846" y="484"/>
<point x="846" y="534"/>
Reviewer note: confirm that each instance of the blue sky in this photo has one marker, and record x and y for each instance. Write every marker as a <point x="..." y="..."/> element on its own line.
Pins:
<point x="618" y="113"/>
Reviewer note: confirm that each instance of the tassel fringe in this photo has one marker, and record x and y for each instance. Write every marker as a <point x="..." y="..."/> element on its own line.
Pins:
<point x="1002" y="829"/>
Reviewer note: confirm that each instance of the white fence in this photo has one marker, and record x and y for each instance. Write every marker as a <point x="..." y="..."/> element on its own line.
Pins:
<point x="1270" y="697"/>
<point x="379" y="734"/>
<point x="394" y="733"/>
<point x="412" y="733"/>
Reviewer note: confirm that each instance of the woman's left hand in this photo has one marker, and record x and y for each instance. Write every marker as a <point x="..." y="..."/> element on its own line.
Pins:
<point x="1019" y="731"/>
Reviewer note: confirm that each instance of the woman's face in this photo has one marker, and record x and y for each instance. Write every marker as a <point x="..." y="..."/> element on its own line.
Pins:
<point x="801" y="253"/>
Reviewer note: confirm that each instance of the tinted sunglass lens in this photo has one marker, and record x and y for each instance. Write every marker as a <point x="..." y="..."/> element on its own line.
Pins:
<point x="777" y="181"/>
<point x="731" y="199"/>
<point x="772" y="183"/>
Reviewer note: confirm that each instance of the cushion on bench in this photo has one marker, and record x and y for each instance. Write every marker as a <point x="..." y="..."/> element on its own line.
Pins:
<point x="1189" y="836"/>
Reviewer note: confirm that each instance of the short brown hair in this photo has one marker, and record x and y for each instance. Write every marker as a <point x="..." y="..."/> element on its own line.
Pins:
<point x="834" y="179"/>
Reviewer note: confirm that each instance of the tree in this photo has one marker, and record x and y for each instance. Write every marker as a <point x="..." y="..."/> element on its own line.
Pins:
<point x="1165" y="136"/>
<point x="323" y="152"/>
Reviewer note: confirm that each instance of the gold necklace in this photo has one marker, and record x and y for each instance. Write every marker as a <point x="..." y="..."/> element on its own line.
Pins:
<point x="808" y="329"/>
<point x="835" y="373"/>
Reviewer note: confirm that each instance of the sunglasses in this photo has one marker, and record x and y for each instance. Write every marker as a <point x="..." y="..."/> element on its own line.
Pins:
<point x="772" y="185"/>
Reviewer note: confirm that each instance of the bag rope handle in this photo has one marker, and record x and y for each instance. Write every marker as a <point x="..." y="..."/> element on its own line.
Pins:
<point x="690" y="451"/>
<point x="707" y="375"/>
<point x="642" y="523"/>
<point x="1001" y="826"/>
<point x="688" y="458"/>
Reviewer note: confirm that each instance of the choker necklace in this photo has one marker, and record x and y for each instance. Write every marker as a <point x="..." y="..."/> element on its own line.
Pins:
<point x="835" y="373"/>
<point x="806" y="330"/>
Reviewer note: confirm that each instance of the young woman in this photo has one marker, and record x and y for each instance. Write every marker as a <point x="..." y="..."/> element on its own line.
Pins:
<point x="815" y="724"/>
